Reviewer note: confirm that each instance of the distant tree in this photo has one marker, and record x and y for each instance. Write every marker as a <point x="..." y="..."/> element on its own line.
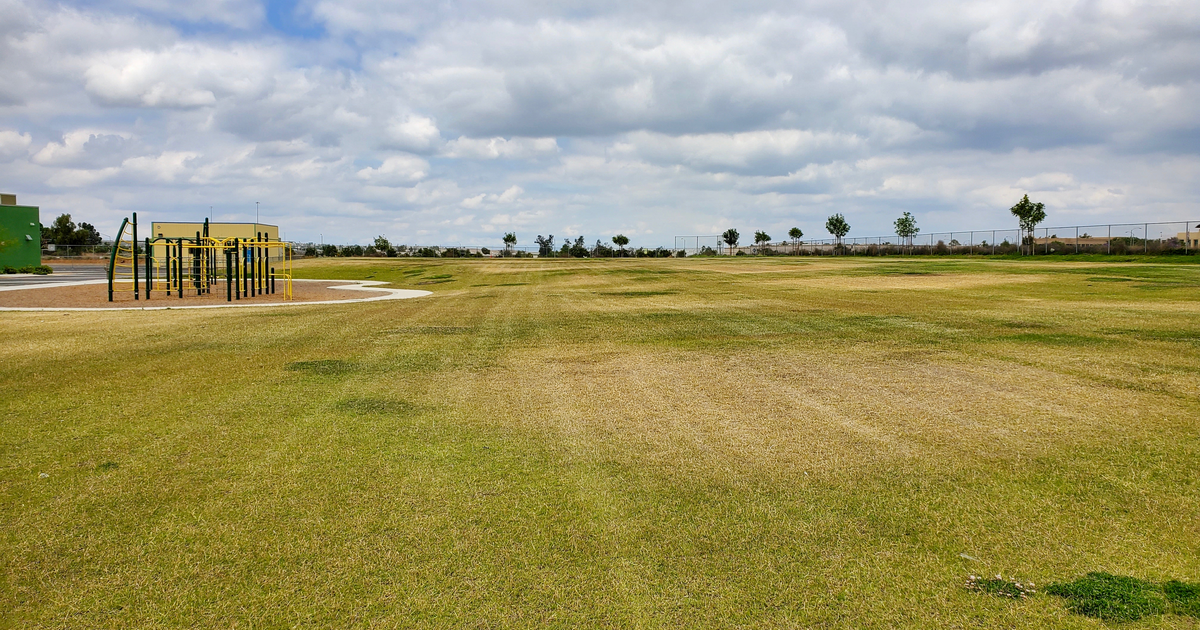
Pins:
<point x="87" y="234"/>
<point x="60" y="231"/>
<point x="510" y="240"/>
<point x="601" y="250"/>
<point x="545" y="245"/>
<point x="761" y="237"/>
<point x="329" y="251"/>
<point x="906" y="228"/>
<point x="310" y="251"/>
<point x="731" y="237"/>
<point x="1029" y="214"/>
<point x="837" y="226"/>
<point x="382" y="244"/>
<point x="485" y="251"/>
<point x="621" y="241"/>
<point x="578" y="250"/>
<point x="64" y="232"/>
<point x="796" y="234"/>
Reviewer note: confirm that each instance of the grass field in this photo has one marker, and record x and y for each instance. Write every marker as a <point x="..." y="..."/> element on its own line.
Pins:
<point x="762" y="443"/>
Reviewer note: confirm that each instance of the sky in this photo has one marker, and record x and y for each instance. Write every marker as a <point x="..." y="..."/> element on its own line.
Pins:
<point x="453" y="122"/>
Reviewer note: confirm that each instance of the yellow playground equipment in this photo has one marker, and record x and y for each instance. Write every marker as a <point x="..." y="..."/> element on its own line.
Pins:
<point x="246" y="266"/>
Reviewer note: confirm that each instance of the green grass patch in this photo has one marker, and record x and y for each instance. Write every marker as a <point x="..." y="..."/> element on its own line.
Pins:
<point x="1122" y="598"/>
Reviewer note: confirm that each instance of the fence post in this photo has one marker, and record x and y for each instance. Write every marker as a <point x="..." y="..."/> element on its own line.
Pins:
<point x="1109" y="247"/>
<point x="1146" y="238"/>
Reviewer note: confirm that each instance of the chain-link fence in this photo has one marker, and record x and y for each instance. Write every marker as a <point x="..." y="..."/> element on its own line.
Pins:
<point x="54" y="250"/>
<point x="1164" y="237"/>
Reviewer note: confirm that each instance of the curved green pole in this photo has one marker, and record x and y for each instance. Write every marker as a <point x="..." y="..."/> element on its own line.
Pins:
<point x="112" y="257"/>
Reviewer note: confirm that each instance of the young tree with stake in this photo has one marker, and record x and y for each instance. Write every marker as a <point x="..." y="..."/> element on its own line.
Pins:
<point x="796" y="234"/>
<point x="906" y="228"/>
<point x="1029" y="214"/>
<point x="731" y="237"/>
<point x="510" y="239"/>
<point x="837" y="226"/>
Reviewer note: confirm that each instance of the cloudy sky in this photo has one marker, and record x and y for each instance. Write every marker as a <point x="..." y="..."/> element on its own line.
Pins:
<point x="452" y="122"/>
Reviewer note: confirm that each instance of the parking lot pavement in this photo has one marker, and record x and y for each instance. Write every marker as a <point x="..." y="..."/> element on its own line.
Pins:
<point x="62" y="273"/>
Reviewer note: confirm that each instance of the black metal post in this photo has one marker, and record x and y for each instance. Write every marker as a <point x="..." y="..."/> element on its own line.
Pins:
<point x="237" y="272"/>
<point x="197" y="269"/>
<point x="135" y="257"/>
<point x="148" y="250"/>
<point x="228" y="277"/>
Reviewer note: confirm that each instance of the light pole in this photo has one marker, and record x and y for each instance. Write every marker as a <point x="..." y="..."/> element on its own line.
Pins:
<point x="256" y="214"/>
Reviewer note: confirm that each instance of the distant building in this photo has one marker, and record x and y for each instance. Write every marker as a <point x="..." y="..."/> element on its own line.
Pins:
<point x="244" y="231"/>
<point x="1190" y="239"/>
<point x="20" y="233"/>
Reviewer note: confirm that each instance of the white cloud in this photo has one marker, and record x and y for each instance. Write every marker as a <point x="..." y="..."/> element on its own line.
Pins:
<point x="14" y="145"/>
<point x="494" y="148"/>
<point x="396" y="170"/>
<point x="417" y="134"/>
<point x="183" y="75"/>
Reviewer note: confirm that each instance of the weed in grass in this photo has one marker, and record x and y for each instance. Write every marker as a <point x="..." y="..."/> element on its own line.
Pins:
<point x="376" y="406"/>
<point x="323" y="367"/>
<point x="1000" y="586"/>
<point x="107" y="466"/>
<point x="1111" y="597"/>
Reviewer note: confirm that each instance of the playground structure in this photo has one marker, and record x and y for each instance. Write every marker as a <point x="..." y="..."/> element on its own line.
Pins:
<point x="196" y="266"/>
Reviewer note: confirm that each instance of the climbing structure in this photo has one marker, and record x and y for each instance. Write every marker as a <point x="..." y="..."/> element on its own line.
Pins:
<point x="175" y="267"/>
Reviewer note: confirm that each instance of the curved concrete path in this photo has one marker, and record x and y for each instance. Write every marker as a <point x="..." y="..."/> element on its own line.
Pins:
<point x="381" y="294"/>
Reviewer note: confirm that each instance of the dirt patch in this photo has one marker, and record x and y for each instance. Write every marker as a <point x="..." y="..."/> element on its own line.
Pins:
<point x="96" y="296"/>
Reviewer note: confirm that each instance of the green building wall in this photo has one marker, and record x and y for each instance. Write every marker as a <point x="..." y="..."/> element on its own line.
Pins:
<point x="20" y="236"/>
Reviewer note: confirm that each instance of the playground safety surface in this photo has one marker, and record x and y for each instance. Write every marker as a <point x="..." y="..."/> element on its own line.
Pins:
<point x="94" y="295"/>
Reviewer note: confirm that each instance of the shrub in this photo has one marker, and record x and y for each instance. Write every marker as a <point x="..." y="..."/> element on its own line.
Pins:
<point x="941" y="248"/>
<point x="740" y="253"/>
<point x="26" y="269"/>
<point x="10" y="269"/>
<point x="42" y="270"/>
